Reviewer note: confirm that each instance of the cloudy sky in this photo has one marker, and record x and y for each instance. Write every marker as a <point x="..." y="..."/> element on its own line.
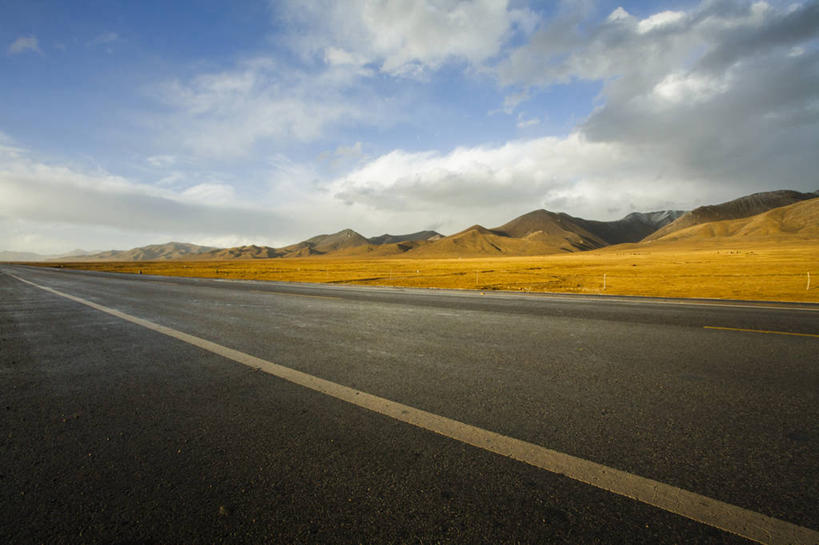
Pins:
<point x="128" y="123"/>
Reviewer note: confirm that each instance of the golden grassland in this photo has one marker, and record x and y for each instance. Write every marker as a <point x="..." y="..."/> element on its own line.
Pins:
<point x="749" y="272"/>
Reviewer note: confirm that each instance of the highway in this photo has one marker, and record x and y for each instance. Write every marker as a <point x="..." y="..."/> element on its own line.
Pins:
<point x="142" y="410"/>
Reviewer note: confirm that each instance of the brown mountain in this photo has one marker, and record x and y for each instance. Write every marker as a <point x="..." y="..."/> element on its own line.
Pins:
<point x="559" y="230"/>
<point x="786" y="224"/>
<point x="345" y="238"/>
<point x="381" y="250"/>
<point x="473" y="241"/>
<point x="241" y="252"/>
<point x="387" y="245"/>
<point x="536" y="233"/>
<point x="742" y="207"/>
<point x="153" y="252"/>
<point x="324" y="244"/>
<point x="539" y="232"/>
<point x="392" y="239"/>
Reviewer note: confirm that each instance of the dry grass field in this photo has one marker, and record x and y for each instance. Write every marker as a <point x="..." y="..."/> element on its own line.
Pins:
<point x="747" y="272"/>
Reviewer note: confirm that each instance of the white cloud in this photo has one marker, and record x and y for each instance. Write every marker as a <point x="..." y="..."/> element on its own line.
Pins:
<point x="161" y="160"/>
<point x="59" y="208"/>
<point x="405" y="38"/>
<point x="690" y="89"/>
<point x="524" y="123"/>
<point x="8" y="147"/>
<point x="343" y="158"/>
<point x="349" y="151"/>
<point x="209" y="193"/>
<point x="336" y="56"/>
<point x="618" y="14"/>
<point x="35" y="192"/>
<point x="715" y="92"/>
<point x="512" y="101"/>
<point x="104" y="39"/>
<point x="172" y="178"/>
<point x="660" y="20"/>
<point x="492" y="184"/>
<point x="226" y="114"/>
<point x="23" y="44"/>
<point x="643" y="51"/>
<point x="697" y="107"/>
<point x="796" y="51"/>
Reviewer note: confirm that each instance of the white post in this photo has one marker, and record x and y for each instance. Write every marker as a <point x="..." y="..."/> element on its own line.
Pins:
<point x="604" y="281"/>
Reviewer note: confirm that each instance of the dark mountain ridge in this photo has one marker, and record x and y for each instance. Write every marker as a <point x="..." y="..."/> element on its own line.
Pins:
<point x="743" y="207"/>
<point x="632" y="228"/>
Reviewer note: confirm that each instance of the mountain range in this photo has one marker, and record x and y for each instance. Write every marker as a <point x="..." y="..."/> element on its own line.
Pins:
<point x="742" y="207"/>
<point x="769" y="216"/>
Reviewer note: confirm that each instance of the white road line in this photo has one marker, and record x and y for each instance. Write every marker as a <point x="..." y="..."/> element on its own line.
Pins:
<point x="739" y="521"/>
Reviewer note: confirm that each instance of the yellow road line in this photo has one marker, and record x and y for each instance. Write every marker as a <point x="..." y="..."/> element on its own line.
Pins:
<point x="731" y="518"/>
<point x="761" y="331"/>
<point x="640" y="300"/>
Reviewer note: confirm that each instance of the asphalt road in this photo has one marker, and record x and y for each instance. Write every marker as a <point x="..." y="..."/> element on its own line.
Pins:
<point x="114" y="433"/>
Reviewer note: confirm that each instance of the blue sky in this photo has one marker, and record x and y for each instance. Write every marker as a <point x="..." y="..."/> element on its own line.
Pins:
<point x="224" y="123"/>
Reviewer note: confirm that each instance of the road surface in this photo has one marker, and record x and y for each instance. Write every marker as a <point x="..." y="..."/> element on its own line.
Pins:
<point x="152" y="416"/>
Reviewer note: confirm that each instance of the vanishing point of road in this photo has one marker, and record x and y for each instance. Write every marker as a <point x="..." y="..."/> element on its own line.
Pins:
<point x="148" y="410"/>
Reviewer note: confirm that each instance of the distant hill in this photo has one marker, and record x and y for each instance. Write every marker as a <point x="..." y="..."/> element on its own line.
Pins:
<point x="154" y="252"/>
<point x="32" y="256"/>
<point x="472" y="241"/>
<point x="345" y="238"/>
<point x="389" y="245"/>
<point x="556" y="229"/>
<point x="536" y="233"/>
<point x="78" y="252"/>
<point x="792" y="223"/>
<point x="241" y="252"/>
<point x="7" y="255"/>
<point x="392" y="239"/>
<point x="381" y="250"/>
<point x="324" y="244"/>
<point x="742" y="207"/>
